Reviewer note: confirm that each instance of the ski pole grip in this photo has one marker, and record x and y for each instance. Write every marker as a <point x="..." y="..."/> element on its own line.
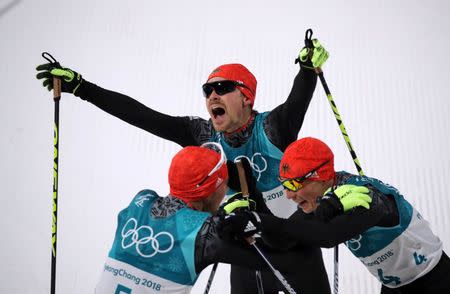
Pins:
<point x="56" y="89"/>
<point x="244" y="190"/>
<point x="309" y="44"/>
<point x="56" y="81"/>
<point x="242" y="179"/>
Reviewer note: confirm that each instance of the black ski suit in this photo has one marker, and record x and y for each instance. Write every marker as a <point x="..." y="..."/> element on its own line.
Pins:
<point x="281" y="126"/>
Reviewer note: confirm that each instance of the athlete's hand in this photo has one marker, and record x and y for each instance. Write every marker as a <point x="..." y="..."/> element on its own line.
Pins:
<point x="240" y="225"/>
<point x="341" y="200"/>
<point x="312" y="57"/>
<point x="237" y="202"/>
<point x="70" y="80"/>
<point x="351" y="196"/>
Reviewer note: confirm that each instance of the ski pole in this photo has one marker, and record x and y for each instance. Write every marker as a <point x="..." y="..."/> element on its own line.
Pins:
<point x="259" y="283"/>
<point x="336" y="270"/>
<point x="245" y="195"/>
<point x="277" y="273"/>
<point x="56" y="98"/>
<point x="318" y="70"/>
<point x="211" y="278"/>
<point x="213" y="270"/>
<point x="251" y="241"/>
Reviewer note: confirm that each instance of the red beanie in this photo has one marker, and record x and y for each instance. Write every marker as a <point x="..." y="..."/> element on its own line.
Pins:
<point x="238" y="73"/>
<point x="189" y="168"/>
<point x="304" y="155"/>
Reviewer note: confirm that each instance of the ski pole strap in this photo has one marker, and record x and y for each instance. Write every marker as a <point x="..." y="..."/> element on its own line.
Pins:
<point x="47" y="56"/>
<point x="308" y="38"/>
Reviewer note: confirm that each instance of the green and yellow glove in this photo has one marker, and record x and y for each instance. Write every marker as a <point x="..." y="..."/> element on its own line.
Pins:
<point x="237" y="203"/>
<point x="70" y="80"/>
<point x="312" y="57"/>
<point x="351" y="196"/>
<point x="341" y="200"/>
<point x="237" y="220"/>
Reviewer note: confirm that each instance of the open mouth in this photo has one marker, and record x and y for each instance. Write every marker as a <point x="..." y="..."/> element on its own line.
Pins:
<point x="217" y="111"/>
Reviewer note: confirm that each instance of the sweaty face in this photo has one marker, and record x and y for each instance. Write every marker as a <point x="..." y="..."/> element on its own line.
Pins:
<point x="306" y="197"/>
<point x="228" y="112"/>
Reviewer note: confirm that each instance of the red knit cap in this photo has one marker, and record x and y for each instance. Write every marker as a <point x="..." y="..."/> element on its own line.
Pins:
<point x="303" y="156"/>
<point x="189" y="168"/>
<point x="238" y="73"/>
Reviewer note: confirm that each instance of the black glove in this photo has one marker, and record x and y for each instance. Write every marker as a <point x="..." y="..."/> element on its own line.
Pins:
<point x="240" y="225"/>
<point x="342" y="199"/>
<point x="329" y="207"/>
<point x="70" y="80"/>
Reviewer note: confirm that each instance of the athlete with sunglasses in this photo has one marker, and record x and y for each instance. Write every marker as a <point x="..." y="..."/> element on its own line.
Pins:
<point x="230" y="92"/>
<point x="390" y="238"/>
<point x="162" y="244"/>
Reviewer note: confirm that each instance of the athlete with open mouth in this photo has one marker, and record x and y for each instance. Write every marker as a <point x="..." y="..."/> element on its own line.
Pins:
<point x="262" y="137"/>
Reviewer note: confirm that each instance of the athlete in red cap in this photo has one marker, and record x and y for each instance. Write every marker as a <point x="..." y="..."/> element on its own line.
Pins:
<point x="390" y="238"/>
<point x="162" y="244"/>
<point x="262" y="137"/>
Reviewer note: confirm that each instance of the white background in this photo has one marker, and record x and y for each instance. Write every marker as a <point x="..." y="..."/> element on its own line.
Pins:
<point x="388" y="72"/>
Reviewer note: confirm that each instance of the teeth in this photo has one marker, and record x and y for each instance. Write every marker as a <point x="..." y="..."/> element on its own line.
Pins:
<point x="217" y="110"/>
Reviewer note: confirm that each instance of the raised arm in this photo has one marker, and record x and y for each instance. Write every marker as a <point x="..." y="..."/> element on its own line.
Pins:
<point x="179" y="129"/>
<point x="182" y="130"/>
<point x="284" y="122"/>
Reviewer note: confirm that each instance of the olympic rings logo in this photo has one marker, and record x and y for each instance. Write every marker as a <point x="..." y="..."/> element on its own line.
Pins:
<point x="354" y="244"/>
<point x="254" y="166"/>
<point x="132" y="232"/>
